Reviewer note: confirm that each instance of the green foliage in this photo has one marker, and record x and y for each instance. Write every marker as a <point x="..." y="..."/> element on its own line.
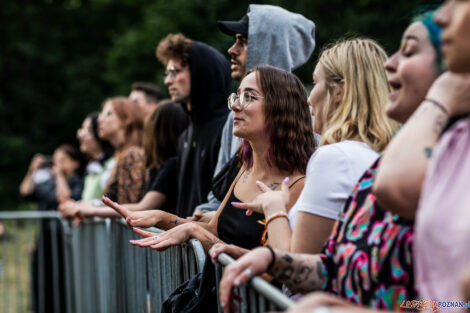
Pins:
<point x="59" y="59"/>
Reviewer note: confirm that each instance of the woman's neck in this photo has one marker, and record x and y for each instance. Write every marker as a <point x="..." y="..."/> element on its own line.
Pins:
<point x="260" y="167"/>
<point x="96" y="156"/>
<point x="118" y="141"/>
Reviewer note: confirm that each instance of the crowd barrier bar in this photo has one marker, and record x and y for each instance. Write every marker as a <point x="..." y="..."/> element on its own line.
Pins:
<point x="31" y="242"/>
<point x="104" y="273"/>
<point x="258" y="296"/>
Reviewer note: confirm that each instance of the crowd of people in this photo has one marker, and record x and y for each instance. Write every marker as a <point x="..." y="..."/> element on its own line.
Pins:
<point x="350" y="199"/>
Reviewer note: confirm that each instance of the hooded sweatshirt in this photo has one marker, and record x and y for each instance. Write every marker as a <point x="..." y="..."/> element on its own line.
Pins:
<point x="199" y="144"/>
<point x="278" y="38"/>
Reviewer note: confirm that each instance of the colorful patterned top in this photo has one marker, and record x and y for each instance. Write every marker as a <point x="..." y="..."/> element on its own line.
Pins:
<point x="368" y="257"/>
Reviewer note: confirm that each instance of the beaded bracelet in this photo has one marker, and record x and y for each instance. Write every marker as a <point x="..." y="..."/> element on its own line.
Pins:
<point x="273" y="216"/>
<point x="438" y="104"/>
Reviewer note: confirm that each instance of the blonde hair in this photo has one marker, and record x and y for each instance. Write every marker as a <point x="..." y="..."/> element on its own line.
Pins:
<point x="360" y="115"/>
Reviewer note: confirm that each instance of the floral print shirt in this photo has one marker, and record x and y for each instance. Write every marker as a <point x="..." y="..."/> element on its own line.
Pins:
<point x="368" y="257"/>
<point x="129" y="177"/>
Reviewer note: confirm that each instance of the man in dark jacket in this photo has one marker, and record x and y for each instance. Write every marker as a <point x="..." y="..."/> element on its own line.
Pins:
<point x="198" y="77"/>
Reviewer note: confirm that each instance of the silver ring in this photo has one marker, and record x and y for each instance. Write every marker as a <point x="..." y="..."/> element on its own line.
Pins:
<point x="249" y="272"/>
<point x="155" y="237"/>
<point x="322" y="309"/>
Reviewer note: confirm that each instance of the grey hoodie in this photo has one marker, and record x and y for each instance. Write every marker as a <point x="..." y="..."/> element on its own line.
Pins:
<point x="276" y="37"/>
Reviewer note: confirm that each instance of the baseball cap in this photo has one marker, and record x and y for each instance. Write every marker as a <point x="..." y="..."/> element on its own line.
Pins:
<point x="233" y="27"/>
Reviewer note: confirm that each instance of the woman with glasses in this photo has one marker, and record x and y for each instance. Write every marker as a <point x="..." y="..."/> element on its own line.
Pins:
<point x="271" y="115"/>
<point x="348" y="104"/>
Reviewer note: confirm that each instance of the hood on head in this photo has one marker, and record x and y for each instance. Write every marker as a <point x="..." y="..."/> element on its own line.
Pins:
<point x="278" y="37"/>
<point x="210" y="83"/>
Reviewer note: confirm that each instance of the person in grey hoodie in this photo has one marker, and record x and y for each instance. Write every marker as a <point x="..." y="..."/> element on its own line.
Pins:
<point x="265" y="35"/>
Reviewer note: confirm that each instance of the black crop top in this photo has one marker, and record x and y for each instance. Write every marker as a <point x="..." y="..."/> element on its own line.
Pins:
<point x="235" y="227"/>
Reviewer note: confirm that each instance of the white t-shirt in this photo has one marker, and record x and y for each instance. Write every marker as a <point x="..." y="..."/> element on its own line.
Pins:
<point x="332" y="172"/>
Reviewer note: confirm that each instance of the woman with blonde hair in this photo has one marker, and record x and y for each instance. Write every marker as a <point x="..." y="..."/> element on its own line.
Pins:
<point x="368" y="258"/>
<point x="348" y="103"/>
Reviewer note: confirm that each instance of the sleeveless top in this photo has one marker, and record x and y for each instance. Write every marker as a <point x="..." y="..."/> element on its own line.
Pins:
<point x="235" y="227"/>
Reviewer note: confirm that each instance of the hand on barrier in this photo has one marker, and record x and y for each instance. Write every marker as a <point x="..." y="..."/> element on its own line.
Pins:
<point x="238" y="274"/>
<point x="163" y="241"/>
<point x="232" y="250"/>
<point x="269" y="201"/>
<point x="322" y="302"/>
<point x="134" y="218"/>
<point x="68" y="209"/>
<point x="200" y="216"/>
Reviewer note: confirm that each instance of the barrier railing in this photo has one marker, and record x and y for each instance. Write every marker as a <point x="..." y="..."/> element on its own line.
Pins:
<point x="93" y="268"/>
<point x="122" y="278"/>
<point x="32" y="274"/>
<point x="258" y="295"/>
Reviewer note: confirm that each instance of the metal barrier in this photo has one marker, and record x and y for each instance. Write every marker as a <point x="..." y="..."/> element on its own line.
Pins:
<point x="93" y="268"/>
<point x="110" y="275"/>
<point x="31" y="257"/>
<point x="258" y="296"/>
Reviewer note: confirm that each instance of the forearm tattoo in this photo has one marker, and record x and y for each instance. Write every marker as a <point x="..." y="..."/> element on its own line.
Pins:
<point x="299" y="272"/>
<point x="176" y="221"/>
<point x="208" y="241"/>
<point x="428" y="152"/>
<point x="439" y="123"/>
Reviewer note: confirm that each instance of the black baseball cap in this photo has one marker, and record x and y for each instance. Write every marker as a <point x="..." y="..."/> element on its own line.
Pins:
<point x="232" y="27"/>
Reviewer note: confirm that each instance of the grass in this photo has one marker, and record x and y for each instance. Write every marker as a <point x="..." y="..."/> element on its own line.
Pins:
<point x="16" y="247"/>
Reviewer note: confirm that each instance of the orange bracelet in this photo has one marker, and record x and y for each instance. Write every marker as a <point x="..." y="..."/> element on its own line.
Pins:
<point x="273" y="216"/>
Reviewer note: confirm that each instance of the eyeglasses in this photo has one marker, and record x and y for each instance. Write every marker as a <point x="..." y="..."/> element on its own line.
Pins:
<point x="245" y="98"/>
<point x="172" y="72"/>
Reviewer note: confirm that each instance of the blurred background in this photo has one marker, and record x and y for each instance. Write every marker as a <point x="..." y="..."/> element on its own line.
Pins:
<point x="59" y="59"/>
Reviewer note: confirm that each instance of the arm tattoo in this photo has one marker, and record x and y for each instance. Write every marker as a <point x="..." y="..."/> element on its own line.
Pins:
<point x="439" y="123"/>
<point x="428" y="152"/>
<point x="210" y="241"/>
<point x="176" y="222"/>
<point x="299" y="272"/>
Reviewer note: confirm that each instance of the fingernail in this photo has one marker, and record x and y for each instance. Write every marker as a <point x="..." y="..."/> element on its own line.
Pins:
<point x="132" y="241"/>
<point x="222" y="304"/>
<point x="237" y="282"/>
<point x="232" y="203"/>
<point x="286" y="180"/>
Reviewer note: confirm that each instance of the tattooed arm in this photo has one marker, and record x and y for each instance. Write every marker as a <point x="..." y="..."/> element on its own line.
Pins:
<point x="397" y="185"/>
<point x="299" y="272"/>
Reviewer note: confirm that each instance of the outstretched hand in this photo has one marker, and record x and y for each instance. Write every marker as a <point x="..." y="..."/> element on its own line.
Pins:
<point x="133" y="218"/>
<point x="269" y="201"/>
<point x="163" y="241"/>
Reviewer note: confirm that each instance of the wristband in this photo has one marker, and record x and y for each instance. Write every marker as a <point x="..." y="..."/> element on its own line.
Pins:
<point x="273" y="216"/>
<point x="439" y="105"/>
<point x="273" y="257"/>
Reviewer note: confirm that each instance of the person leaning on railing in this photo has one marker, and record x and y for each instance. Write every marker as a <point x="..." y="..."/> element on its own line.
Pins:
<point x="275" y="123"/>
<point x="345" y="92"/>
<point x="368" y="257"/>
<point x="161" y="131"/>
<point x="119" y="124"/>
<point x="99" y="153"/>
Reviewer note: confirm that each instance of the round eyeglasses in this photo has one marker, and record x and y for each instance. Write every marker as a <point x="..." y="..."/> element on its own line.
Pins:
<point x="245" y="98"/>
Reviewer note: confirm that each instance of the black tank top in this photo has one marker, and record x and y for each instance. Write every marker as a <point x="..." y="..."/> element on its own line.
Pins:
<point x="235" y="227"/>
